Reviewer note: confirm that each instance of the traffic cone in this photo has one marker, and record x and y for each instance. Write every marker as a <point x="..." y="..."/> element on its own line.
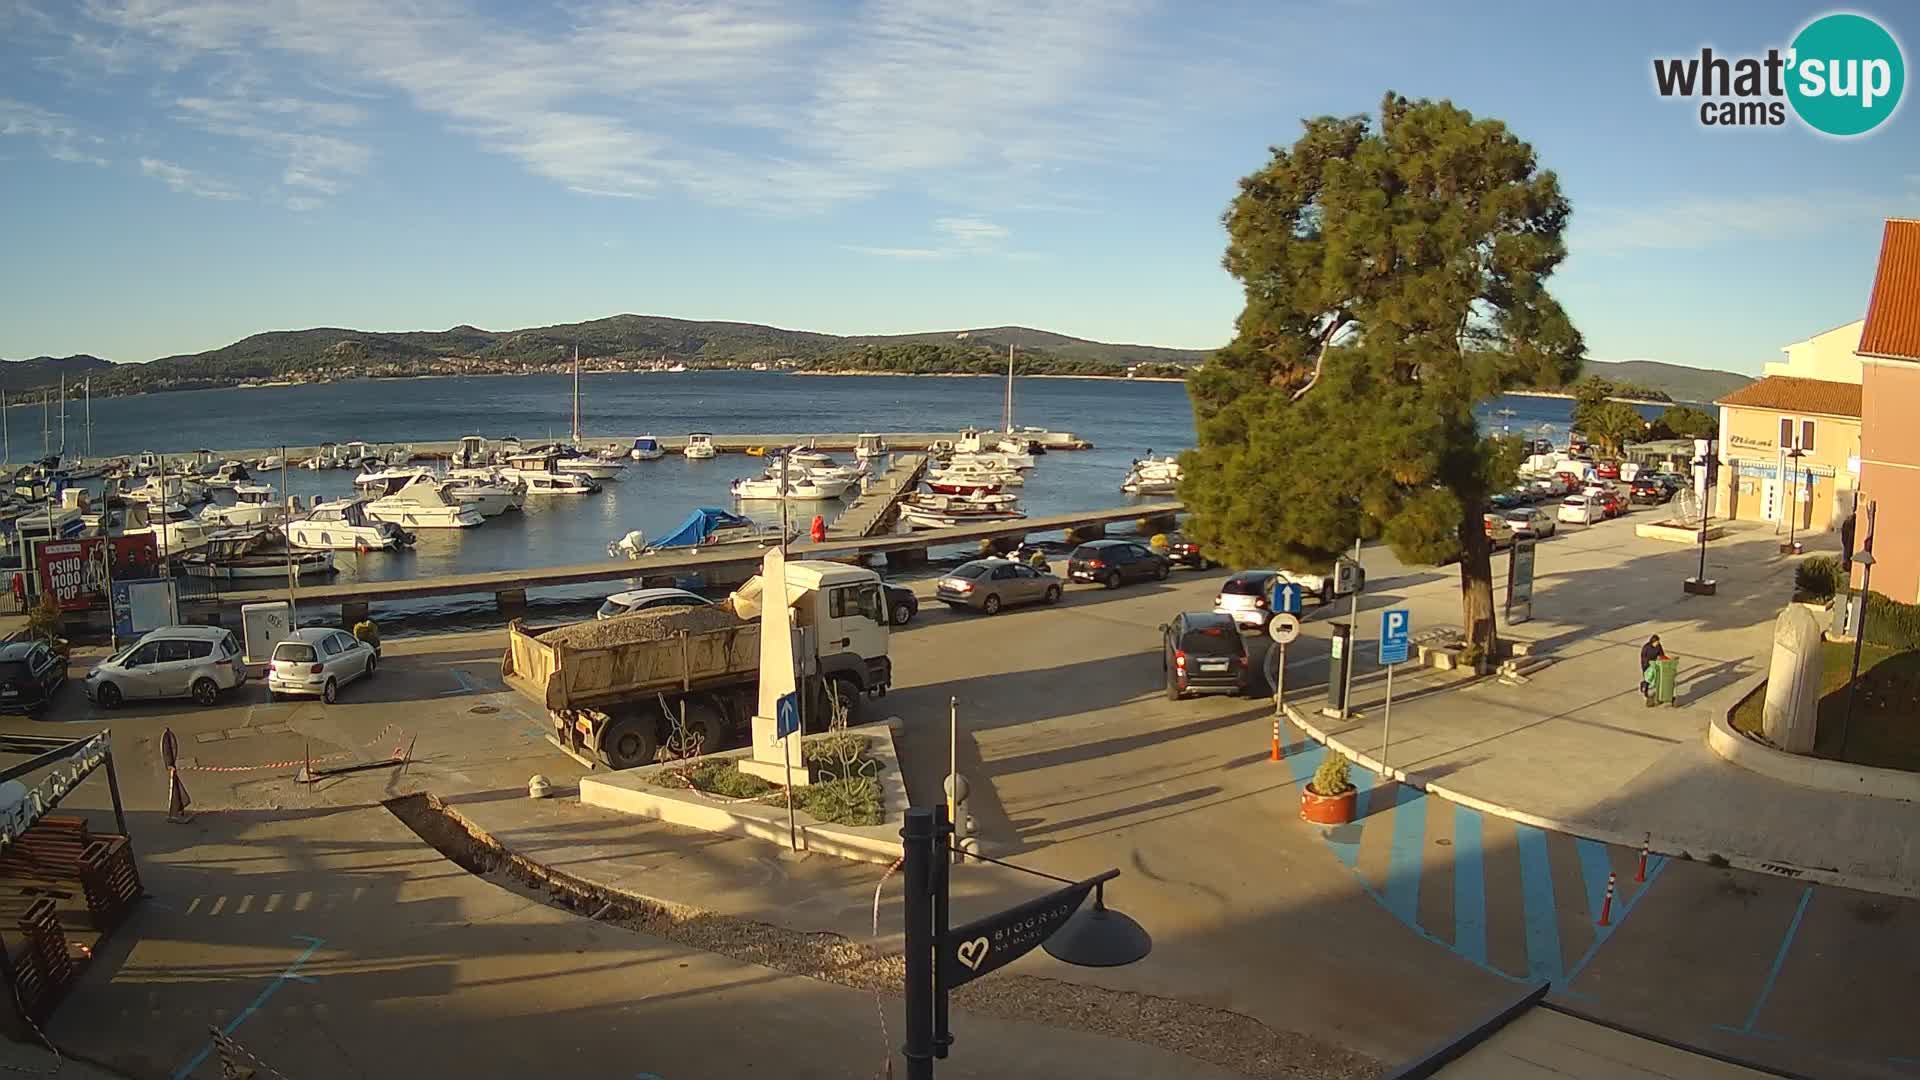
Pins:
<point x="1276" y="738"/>
<point x="1606" y="905"/>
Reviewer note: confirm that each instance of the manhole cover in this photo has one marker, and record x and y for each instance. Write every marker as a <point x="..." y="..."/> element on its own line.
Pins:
<point x="484" y="710"/>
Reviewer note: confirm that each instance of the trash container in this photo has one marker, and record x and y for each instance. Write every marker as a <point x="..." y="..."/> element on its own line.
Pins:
<point x="1665" y="672"/>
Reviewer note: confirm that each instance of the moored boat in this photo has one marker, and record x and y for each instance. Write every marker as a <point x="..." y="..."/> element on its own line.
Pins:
<point x="705" y="527"/>
<point x="647" y="448"/>
<point x="420" y="503"/>
<point x="699" y="446"/>
<point x="343" y="525"/>
<point x="1152" y="476"/>
<point x="245" y="554"/>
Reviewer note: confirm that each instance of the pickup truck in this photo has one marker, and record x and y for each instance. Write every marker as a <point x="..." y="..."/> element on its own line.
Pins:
<point x="614" y="689"/>
<point x="1348" y="577"/>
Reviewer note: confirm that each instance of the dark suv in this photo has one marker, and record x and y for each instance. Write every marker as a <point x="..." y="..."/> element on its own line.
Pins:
<point x="1185" y="552"/>
<point x="1649" y="489"/>
<point x="30" y="672"/>
<point x="1113" y="562"/>
<point x="1202" y="653"/>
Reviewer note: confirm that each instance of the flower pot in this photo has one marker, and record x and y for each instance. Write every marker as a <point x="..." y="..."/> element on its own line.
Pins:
<point x="1326" y="809"/>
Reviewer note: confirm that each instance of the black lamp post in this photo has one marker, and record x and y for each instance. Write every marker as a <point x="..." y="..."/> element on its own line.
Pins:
<point x="940" y="959"/>
<point x="1865" y="559"/>
<point x="1709" y="466"/>
<point x="1792" y="546"/>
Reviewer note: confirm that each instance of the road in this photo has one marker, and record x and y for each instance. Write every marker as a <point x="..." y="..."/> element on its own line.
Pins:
<point x="1383" y="936"/>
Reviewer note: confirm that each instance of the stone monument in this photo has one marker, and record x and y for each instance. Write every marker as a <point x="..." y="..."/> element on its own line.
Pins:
<point x="1793" y="682"/>
<point x="782" y="662"/>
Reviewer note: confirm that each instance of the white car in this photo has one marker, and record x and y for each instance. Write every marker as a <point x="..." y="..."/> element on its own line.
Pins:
<point x="1582" y="510"/>
<point x="626" y="603"/>
<point x="318" y="660"/>
<point x="174" y="661"/>
<point x="1245" y="597"/>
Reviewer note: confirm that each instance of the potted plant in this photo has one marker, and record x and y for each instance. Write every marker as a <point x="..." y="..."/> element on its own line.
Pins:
<point x="1328" y="797"/>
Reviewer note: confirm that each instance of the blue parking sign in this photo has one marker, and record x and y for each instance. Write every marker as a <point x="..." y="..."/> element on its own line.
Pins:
<point x="1286" y="597"/>
<point x="786" y="715"/>
<point x="1396" y="635"/>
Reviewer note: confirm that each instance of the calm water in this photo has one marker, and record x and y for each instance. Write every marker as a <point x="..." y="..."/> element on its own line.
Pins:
<point x="1124" y="420"/>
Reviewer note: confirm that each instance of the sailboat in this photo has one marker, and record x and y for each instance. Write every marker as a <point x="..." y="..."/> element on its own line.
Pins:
<point x="573" y="458"/>
<point x="1012" y="442"/>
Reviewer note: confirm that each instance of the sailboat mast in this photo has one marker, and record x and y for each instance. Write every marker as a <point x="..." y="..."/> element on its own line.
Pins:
<point x="1007" y="420"/>
<point x="576" y="394"/>
<point x="63" y="414"/>
<point x="89" y="386"/>
<point x="6" y="436"/>
<point x="46" y="402"/>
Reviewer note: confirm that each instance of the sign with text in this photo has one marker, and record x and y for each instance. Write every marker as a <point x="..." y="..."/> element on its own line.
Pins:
<point x="1520" y="582"/>
<point x="1396" y="636"/>
<point x="74" y="572"/>
<point x="988" y="944"/>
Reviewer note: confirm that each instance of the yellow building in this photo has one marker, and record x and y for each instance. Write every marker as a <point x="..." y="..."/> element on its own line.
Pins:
<point x="1831" y="356"/>
<point x="1760" y="428"/>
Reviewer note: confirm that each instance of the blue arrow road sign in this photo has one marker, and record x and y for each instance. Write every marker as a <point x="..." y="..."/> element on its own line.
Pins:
<point x="1286" y="597"/>
<point x="786" y="715"/>
<point x="1396" y="633"/>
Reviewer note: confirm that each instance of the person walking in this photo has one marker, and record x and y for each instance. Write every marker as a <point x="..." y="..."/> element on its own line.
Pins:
<point x="1650" y="652"/>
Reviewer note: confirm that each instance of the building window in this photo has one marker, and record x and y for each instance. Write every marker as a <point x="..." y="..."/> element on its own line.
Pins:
<point x="1786" y="433"/>
<point x="1806" y="435"/>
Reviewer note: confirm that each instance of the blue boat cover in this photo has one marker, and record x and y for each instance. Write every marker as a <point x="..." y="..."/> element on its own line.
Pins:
<point x="645" y="443"/>
<point x="699" y="525"/>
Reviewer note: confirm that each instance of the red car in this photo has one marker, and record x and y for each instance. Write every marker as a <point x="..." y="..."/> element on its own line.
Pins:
<point x="1611" y="502"/>
<point x="1607" y="470"/>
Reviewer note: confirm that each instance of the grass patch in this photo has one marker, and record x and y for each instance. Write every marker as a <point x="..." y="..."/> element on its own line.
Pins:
<point x="1886" y="710"/>
<point x="841" y="765"/>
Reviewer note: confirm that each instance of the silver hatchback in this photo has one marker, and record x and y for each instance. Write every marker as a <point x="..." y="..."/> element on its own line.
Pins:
<point x="319" y="660"/>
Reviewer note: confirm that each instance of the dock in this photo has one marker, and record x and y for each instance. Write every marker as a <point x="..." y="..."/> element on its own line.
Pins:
<point x="878" y="506"/>
<point x="509" y="587"/>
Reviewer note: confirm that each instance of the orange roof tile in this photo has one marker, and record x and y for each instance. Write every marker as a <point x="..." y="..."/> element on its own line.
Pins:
<point x="1794" y="395"/>
<point x="1893" y="315"/>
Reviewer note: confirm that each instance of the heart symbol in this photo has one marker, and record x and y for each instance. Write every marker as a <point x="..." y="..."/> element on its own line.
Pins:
<point x="971" y="953"/>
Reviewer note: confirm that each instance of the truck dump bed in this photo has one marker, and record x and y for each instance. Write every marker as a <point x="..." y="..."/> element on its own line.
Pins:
<point x="587" y="664"/>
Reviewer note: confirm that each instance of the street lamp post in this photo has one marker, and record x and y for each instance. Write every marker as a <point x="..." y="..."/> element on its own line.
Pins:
<point x="1865" y="559"/>
<point x="1792" y="546"/>
<point x="1708" y="468"/>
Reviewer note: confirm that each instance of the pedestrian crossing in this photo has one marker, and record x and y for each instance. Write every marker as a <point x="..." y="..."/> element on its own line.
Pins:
<point x="1521" y="902"/>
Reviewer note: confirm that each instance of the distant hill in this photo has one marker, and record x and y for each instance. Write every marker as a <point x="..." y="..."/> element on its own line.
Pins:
<point x="1024" y="338"/>
<point x="1676" y="381"/>
<point x="16" y="375"/>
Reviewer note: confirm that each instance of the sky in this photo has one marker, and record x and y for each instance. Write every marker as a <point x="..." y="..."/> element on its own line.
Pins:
<point x="178" y="174"/>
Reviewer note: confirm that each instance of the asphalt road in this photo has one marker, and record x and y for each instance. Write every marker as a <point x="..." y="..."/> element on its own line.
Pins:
<point x="1384" y="936"/>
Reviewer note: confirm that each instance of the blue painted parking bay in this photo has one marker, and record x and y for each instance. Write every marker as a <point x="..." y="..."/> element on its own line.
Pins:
<point x="1514" y="900"/>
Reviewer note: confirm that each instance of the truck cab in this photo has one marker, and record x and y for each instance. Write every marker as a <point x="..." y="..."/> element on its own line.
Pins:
<point x="847" y="608"/>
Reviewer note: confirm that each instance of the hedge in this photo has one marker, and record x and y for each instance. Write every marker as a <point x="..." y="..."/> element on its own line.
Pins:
<point x="1819" y="577"/>
<point x="1891" y="623"/>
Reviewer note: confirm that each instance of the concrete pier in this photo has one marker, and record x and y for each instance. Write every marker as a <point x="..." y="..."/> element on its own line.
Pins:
<point x="878" y="506"/>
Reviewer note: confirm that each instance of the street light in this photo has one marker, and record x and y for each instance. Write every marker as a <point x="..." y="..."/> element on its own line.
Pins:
<point x="1865" y="559"/>
<point x="1792" y="546"/>
<point x="1707" y="468"/>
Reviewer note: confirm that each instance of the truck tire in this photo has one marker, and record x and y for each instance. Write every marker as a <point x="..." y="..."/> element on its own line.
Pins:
<point x="848" y="688"/>
<point x="629" y="741"/>
<point x="708" y="723"/>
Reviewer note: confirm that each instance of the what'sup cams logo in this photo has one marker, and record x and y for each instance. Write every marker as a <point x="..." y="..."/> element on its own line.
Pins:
<point x="1842" y="76"/>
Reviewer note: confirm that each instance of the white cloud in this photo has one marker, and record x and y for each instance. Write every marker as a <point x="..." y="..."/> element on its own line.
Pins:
<point x="187" y="181"/>
<point x="971" y="232"/>
<point x="1705" y="221"/>
<point x="315" y="163"/>
<point x="54" y="132"/>
<point x="751" y="103"/>
<point x="958" y="237"/>
<point x="902" y="253"/>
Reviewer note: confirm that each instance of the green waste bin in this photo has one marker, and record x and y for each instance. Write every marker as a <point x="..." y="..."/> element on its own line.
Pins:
<point x="1662" y="674"/>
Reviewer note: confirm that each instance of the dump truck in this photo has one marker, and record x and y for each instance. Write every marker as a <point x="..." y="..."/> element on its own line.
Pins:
<point x="1348" y="577"/>
<point x="615" y="690"/>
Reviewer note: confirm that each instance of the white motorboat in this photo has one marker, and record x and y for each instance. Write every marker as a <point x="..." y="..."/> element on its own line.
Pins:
<point x="592" y="465"/>
<point x="325" y="456"/>
<point x="472" y="453"/>
<point x="539" y="472"/>
<point x="972" y="474"/>
<point x="1152" y="476"/>
<point x="420" y="503"/>
<point x="868" y="445"/>
<point x="169" y="491"/>
<point x="269" y="463"/>
<point x="647" y="448"/>
<point x="491" y="498"/>
<point x="145" y="463"/>
<point x="832" y="480"/>
<point x="379" y="481"/>
<point x="254" y="504"/>
<point x="798" y="489"/>
<point x="995" y="459"/>
<point x="963" y="485"/>
<point x="227" y="474"/>
<point x="172" y="532"/>
<point x="343" y="525"/>
<point x="699" y="446"/>
<point x="921" y="518"/>
<point x="246" y="554"/>
<point x="938" y="503"/>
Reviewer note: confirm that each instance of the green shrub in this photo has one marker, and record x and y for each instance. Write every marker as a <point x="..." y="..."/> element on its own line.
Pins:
<point x="366" y="631"/>
<point x="850" y="801"/>
<point x="833" y="753"/>
<point x="1891" y="623"/>
<point x="1331" y="777"/>
<point x="43" y="621"/>
<point x="1819" y="577"/>
<point x="722" y="776"/>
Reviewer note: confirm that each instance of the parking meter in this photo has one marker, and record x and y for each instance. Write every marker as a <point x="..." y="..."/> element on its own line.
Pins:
<point x="1339" y="663"/>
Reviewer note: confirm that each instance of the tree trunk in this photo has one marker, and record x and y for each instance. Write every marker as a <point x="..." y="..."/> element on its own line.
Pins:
<point x="1476" y="585"/>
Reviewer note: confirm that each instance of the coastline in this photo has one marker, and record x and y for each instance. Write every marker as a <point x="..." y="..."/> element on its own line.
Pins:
<point x="1564" y="396"/>
<point x="982" y="375"/>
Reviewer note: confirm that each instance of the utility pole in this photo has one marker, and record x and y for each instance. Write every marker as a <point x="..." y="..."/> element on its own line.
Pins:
<point x="1865" y="559"/>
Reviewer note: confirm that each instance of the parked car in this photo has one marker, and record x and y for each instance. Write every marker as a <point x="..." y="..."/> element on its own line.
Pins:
<point x="1504" y="500"/>
<point x="1499" y="533"/>
<point x="1115" y="562"/>
<point x="987" y="585"/>
<point x="174" y="661"/>
<point x="1184" y="552"/>
<point x="318" y="660"/>
<point x="1612" y="503"/>
<point x="902" y="605"/>
<point x="1607" y="470"/>
<point x="1582" y="510"/>
<point x="1202" y="653"/>
<point x="1532" y="523"/>
<point x="626" y="603"/>
<point x="30" y="672"/>
<point x="1243" y="597"/>
<point x="1649" y="490"/>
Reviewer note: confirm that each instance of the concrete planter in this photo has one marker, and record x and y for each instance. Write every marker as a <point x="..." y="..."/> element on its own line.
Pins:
<point x="1327" y="809"/>
<point x="1805" y="770"/>
<point x="1674" y="532"/>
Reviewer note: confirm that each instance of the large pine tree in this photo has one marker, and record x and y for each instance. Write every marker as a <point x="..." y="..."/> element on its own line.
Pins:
<point x="1395" y="277"/>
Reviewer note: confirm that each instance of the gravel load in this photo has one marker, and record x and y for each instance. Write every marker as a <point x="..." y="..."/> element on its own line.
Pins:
<point x="654" y="624"/>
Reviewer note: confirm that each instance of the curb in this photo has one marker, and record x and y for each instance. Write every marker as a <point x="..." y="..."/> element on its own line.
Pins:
<point x="1659" y="845"/>
<point x="1812" y="773"/>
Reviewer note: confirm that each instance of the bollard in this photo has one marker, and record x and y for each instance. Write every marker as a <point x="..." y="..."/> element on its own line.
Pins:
<point x="1606" y="906"/>
<point x="1276" y="738"/>
<point x="1641" y="873"/>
